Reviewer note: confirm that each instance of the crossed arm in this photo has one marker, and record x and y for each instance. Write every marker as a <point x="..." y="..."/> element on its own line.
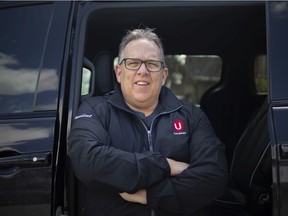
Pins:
<point x="207" y="171"/>
<point x="140" y="196"/>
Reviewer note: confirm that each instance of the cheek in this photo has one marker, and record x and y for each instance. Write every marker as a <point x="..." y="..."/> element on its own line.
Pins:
<point x="120" y="77"/>
<point x="125" y="79"/>
<point x="161" y="80"/>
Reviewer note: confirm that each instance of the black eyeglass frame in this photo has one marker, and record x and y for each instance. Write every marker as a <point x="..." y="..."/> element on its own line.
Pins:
<point x="125" y="59"/>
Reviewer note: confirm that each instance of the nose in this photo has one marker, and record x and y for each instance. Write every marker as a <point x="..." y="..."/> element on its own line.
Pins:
<point x="142" y="68"/>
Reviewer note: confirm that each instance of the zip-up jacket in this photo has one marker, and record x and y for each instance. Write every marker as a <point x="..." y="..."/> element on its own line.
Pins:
<point x="113" y="151"/>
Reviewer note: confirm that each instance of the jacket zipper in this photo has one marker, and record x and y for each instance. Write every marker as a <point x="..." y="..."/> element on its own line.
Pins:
<point x="150" y="149"/>
<point x="149" y="134"/>
<point x="150" y="140"/>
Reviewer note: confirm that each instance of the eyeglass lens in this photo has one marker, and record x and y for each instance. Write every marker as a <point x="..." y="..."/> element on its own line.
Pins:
<point x="135" y="64"/>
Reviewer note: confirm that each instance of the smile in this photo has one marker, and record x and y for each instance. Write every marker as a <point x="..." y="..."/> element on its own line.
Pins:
<point x="142" y="83"/>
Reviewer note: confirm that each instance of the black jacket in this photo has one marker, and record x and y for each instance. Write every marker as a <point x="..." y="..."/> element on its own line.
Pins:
<point x="112" y="151"/>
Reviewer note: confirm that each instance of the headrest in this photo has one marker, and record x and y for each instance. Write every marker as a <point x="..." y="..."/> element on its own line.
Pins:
<point x="104" y="78"/>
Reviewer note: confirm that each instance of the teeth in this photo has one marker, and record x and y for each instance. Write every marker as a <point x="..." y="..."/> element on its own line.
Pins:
<point x="142" y="83"/>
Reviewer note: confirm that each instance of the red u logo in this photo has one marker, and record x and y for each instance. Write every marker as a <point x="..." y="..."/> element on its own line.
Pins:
<point x="178" y="125"/>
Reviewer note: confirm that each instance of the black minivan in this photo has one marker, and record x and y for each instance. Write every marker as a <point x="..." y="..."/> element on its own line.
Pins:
<point x="229" y="57"/>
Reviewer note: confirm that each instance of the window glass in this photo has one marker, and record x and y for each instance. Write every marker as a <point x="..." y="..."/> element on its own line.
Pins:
<point x="260" y="72"/>
<point x="22" y="40"/>
<point x="190" y="76"/>
<point x="86" y="80"/>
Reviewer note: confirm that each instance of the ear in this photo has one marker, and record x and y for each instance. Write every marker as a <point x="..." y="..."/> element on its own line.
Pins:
<point x="118" y="73"/>
<point x="165" y="73"/>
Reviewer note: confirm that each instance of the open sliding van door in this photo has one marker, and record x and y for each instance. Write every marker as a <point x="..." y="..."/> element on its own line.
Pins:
<point x="277" y="32"/>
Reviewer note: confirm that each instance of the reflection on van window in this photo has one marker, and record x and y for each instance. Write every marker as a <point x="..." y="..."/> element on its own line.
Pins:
<point x="17" y="86"/>
<point x="86" y="80"/>
<point x="20" y="56"/>
<point x="190" y="76"/>
<point x="261" y="75"/>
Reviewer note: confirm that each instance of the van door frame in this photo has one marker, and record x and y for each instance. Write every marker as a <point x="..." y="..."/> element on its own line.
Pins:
<point x="277" y="43"/>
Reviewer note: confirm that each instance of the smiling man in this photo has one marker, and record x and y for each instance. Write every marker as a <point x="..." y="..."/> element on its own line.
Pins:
<point x="141" y="151"/>
<point x="141" y="74"/>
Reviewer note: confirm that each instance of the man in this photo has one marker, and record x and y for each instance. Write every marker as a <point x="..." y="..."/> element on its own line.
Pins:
<point x="140" y="151"/>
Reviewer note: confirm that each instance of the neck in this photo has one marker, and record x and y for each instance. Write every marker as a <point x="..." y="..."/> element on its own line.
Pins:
<point x="146" y="110"/>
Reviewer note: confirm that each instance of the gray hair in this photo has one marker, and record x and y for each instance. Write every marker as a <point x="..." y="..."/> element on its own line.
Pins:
<point x="137" y="34"/>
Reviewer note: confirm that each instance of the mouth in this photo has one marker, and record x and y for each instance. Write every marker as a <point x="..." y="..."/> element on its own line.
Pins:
<point x="142" y="83"/>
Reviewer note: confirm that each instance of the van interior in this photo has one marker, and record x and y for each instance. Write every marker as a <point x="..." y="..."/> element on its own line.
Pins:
<point x="216" y="55"/>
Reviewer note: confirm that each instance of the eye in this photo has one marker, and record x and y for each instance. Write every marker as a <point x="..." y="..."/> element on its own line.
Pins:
<point x="133" y="63"/>
<point x="154" y="65"/>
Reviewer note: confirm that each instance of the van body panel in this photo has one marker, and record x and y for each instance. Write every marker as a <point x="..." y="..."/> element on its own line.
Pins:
<point x="31" y="53"/>
<point x="277" y="33"/>
<point x="42" y="47"/>
<point x="26" y="149"/>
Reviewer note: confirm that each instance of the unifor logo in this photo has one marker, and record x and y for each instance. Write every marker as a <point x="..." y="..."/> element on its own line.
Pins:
<point x="178" y="126"/>
<point x="83" y="116"/>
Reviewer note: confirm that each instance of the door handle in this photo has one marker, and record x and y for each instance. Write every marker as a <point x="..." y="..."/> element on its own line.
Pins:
<point x="11" y="161"/>
<point x="284" y="151"/>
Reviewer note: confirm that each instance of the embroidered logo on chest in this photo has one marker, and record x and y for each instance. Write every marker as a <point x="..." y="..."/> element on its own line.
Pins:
<point x="178" y="127"/>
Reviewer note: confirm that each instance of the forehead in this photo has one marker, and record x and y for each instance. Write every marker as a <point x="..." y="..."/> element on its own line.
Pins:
<point x="142" y="48"/>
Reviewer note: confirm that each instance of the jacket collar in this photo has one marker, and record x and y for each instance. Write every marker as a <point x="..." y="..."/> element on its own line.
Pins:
<point x="167" y="99"/>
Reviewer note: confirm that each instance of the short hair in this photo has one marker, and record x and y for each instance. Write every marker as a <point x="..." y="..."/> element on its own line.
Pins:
<point x="137" y="34"/>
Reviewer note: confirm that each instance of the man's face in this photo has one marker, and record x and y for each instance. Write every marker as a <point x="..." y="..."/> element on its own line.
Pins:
<point x="141" y="88"/>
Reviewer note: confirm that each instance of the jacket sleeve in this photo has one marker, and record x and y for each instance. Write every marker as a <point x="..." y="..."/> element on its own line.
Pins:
<point x="94" y="161"/>
<point x="203" y="181"/>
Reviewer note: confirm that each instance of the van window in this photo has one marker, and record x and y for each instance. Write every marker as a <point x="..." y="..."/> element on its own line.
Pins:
<point x="21" y="48"/>
<point x="86" y="80"/>
<point x="260" y="73"/>
<point x="190" y="76"/>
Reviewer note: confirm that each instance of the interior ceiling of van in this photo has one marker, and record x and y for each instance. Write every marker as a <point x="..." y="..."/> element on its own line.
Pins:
<point x="186" y="27"/>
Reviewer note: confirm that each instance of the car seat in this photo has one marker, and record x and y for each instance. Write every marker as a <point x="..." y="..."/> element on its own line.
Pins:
<point x="249" y="190"/>
<point x="104" y="77"/>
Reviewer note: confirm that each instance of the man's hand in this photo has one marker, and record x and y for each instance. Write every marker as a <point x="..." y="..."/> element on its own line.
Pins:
<point x="176" y="167"/>
<point x="138" y="197"/>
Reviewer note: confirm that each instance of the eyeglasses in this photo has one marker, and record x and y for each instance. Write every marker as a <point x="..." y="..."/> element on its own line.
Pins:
<point x="135" y="64"/>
